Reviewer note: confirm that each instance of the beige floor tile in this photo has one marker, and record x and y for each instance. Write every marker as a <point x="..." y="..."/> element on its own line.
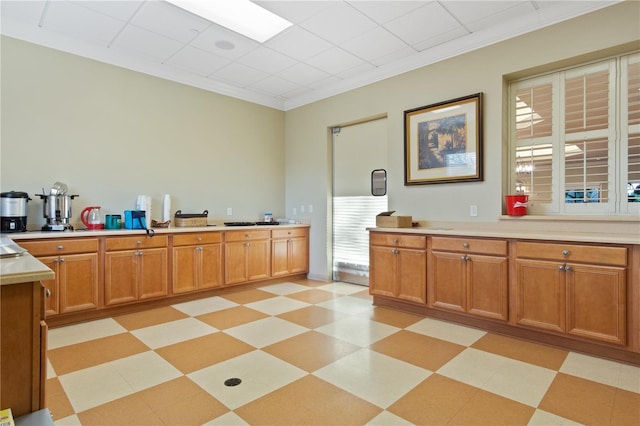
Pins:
<point x="201" y="352"/>
<point x="418" y="349"/>
<point x="532" y="353"/>
<point x="434" y="401"/>
<point x="182" y="402"/>
<point x="94" y="352"/>
<point x="283" y="289"/>
<point x="56" y="400"/>
<point x="247" y="296"/>
<point x="130" y="410"/>
<point x="579" y="400"/>
<point x="392" y="317"/>
<point x="312" y="296"/>
<point x="157" y="336"/>
<point x="231" y="317"/>
<point x="311" y="351"/>
<point x="312" y="316"/>
<point x="83" y="332"/>
<point x="486" y="408"/>
<point x="308" y="401"/>
<point x="148" y="318"/>
<point x="364" y="294"/>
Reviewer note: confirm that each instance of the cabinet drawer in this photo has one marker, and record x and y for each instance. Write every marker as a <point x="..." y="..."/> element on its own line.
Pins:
<point x="288" y="233"/>
<point x="247" y="235"/>
<point x="469" y="245"/>
<point x="61" y="246"/>
<point x="573" y="253"/>
<point x="132" y="243"/>
<point x="398" y="240"/>
<point x="197" y="238"/>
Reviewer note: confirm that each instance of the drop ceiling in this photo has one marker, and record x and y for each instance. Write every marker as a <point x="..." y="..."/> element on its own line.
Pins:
<point x="333" y="46"/>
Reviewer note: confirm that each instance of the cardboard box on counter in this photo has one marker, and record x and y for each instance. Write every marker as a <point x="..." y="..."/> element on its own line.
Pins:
<point x="385" y="220"/>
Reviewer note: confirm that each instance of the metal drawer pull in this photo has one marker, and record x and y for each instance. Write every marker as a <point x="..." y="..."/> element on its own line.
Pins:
<point x="465" y="245"/>
<point x="47" y="292"/>
<point x="138" y="242"/>
<point x="395" y="241"/>
<point x="199" y="239"/>
<point x="561" y="267"/>
<point x="567" y="268"/>
<point x="60" y="247"/>
<point x="565" y="252"/>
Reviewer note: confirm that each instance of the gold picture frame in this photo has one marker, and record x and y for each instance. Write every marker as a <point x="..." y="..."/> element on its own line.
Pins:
<point x="443" y="142"/>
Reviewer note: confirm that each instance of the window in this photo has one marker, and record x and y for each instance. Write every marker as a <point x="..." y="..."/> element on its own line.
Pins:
<point x="575" y="139"/>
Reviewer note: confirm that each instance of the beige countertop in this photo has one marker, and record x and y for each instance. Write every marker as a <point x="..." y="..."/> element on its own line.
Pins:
<point x="22" y="269"/>
<point x="32" y="235"/>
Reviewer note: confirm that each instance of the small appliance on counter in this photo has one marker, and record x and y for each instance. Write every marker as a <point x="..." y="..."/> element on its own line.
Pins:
<point x="57" y="208"/>
<point x="91" y="218"/>
<point x="13" y="211"/>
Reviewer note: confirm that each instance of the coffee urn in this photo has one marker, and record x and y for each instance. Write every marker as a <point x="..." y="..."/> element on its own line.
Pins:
<point x="13" y="211"/>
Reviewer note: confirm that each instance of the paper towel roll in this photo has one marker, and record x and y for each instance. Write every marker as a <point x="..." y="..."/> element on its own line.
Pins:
<point x="166" y="208"/>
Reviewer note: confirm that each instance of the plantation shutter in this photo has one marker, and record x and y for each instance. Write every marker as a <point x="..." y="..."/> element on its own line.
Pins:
<point x="632" y="128"/>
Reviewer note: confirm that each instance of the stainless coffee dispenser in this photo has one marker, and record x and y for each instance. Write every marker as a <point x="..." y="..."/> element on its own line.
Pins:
<point x="57" y="208"/>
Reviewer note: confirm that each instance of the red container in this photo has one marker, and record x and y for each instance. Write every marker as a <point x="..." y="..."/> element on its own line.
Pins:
<point x="517" y="205"/>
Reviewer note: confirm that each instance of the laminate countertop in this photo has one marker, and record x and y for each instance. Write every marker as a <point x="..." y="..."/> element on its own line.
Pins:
<point x="22" y="269"/>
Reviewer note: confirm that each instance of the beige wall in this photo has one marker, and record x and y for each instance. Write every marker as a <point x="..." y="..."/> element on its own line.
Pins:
<point x="484" y="70"/>
<point x="111" y="134"/>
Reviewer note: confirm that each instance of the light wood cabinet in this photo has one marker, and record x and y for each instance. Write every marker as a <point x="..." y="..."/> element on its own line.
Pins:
<point x="136" y="268"/>
<point x="77" y="278"/>
<point x="289" y="251"/>
<point x="247" y="256"/>
<point x="197" y="261"/>
<point x="470" y="275"/>
<point x="398" y="266"/>
<point x="574" y="289"/>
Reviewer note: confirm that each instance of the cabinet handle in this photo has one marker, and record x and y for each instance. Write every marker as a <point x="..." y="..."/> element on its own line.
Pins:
<point x="247" y="235"/>
<point x="465" y="245"/>
<point x="565" y="252"/>
<point x="62" y="259"/>
<point x="462" y="258"/>
<point x="567" y="268"/>
<point x="247" y="244"/>
<point x="395" y="241"/>
<point x="561" y="267"/>
<point x="60" y="247"/>
<point x="47" y="292"/>
<point x="199" y="239"/>
<point x="138" y="242"/>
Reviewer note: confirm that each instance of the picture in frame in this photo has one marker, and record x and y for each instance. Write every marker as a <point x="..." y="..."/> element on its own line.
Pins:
<point x="443" y="142"/>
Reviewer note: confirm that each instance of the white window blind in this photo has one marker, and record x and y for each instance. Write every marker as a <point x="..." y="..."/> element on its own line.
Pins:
<point x="631" y="129"/>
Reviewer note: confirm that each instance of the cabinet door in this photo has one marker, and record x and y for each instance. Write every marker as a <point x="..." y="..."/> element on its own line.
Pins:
<point x="152" y="269"/>
<point x="259" y="254"/>
<point x="487" y="286"/>
<point x="596" y="301"/>
<point x="78" y="282"/>
<point x="210" y="266"/>
<point x="382" y="271"/>
<point x="51" y="287"/>
<point x="299" y="256"/>
<point x="235" y="258"/>
<point x="279" y="257"/>
<point x="540" y="294"/>
<point x="449" y="290"/>
<point x="184" y="269"/>
<point x="120" y="278"/>
<point x="412" y="275"/>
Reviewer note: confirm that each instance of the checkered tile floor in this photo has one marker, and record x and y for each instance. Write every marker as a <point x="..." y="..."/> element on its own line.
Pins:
<point x="310" y="352"/>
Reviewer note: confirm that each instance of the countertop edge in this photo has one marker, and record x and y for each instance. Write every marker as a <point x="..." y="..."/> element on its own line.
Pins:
<point x="23" y="269"/>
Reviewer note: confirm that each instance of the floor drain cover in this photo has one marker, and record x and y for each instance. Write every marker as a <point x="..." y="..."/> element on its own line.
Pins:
<point x="232" y="382"/>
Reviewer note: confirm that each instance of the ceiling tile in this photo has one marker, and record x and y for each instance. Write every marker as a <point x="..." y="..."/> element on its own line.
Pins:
<point x="267" y="60"/>
<point x="334" y="61"/>
<point x="274" y="85"/>
<point x="28" y="12"/>
<point x="298" y="43"/>
<point x="239" y="74"/>
<point x="122" y="10"/>
<point x="195" y="60"/>
<point x="338" y="23"/>
<point x="81" y="23"/>
<point x="152" y="45"/>
<point x="385" y="11"/>
<point x="303" y="74"/>
<point x="373" y="44"/>
<point x="475" y="16"/>
<point x="215" y="38"/>
<point x="295" y="11"/>
<point x="170" y="21"/>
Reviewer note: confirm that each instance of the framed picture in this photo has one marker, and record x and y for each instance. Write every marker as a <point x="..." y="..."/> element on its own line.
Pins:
<point x="443" y="142"/>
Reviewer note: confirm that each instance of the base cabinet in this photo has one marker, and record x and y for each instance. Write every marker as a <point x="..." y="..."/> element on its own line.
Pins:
<point x="560" y="288"/>
<point x="197" y="262"/>
<point x="136" y="268"/>
<point x="289" y="251"/>
<point x="77" y="277"/>
<point x="471" y="276"/>
<point x="398" y="267"/>
<point x="247" y="256"/>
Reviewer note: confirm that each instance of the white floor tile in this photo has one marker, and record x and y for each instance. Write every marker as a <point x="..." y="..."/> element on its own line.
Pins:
<point x="447" y="331"/>
<point x="386" y="419"/>
<point x="360" y="331"/>
<point x="347" y="305"/>
<point x="68" y="421"/>
<point x="374" y="377"/>
<point x="266" y="331"/>
<point x="228" y="419"/>
<point x="343" y="288"/>
<point x="51" y="373"/>
<point x="282" y="289"/>
<point x="277" y="305"/>
<point x="160" y="335"/>
<point x="204" y="306"/>
<point x="473" y="367"/>
<point x="83" y="332"/>
<point x="603" y="371"/>
<point x="141" y="371"/>
<point x="260" y="373"/>
<point x="542" y="418"/>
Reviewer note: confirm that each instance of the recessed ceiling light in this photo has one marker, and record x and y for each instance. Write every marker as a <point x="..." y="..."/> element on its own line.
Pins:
<point x="224" y="44"/>
<point x="241" y="16"/>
